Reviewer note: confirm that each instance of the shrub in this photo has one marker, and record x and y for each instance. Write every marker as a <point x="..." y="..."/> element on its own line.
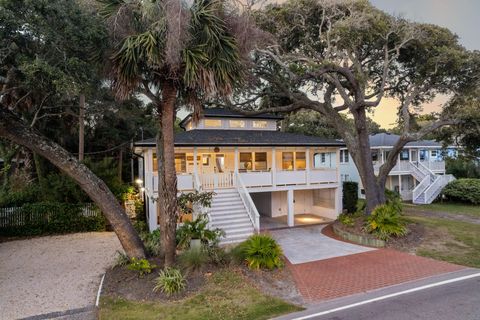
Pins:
<point x="193" y="259"/>
<point x="237" y="254"/>
<point x="262" y="252"/>
<point x="142" y="266"/>
<point x="394" y="199"/>
<point x="386" y="221"/>
<point x="346" y="219"/>
<point x="151" y="240"/>
<point x="51" y="218"/>
<point x="197" y="229"/>
<point x="218" y="256"/>
<point x="170" y="281"/>
<point x="350" y="196"/>
<point x="463" y="190"/>
<point x="121" y="259"/>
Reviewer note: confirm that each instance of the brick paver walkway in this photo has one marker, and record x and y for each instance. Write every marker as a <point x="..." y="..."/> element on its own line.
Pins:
<point x="356" y="273"/>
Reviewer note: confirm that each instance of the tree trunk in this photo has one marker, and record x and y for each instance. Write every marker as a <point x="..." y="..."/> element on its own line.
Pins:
<point x="167" y="177"/>
<point x="81" y="129"/>
<point x="120" y="165"/>
<point x="374" y="191"/>
<point x="14" y="130"/>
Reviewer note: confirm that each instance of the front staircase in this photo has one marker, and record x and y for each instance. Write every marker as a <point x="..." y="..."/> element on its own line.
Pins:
<point x="228" y="213"/>
<point x="430" y="184"/>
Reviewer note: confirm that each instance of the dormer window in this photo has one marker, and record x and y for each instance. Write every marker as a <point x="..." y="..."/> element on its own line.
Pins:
<point x="213" y="123"/>
<point x="237" y="124"/>
<point x="260" y="124"/>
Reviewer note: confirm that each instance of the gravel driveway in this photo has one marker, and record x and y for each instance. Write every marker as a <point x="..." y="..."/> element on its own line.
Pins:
<point x="45" y="275"/>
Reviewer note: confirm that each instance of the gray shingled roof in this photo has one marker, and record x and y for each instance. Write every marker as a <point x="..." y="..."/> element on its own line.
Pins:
<point x="388" y="140"/>
<point x="245" y="138"/>
<point x="226" y="113"/>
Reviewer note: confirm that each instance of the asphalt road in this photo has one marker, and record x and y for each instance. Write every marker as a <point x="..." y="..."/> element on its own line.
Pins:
<point x="454" y="301"/>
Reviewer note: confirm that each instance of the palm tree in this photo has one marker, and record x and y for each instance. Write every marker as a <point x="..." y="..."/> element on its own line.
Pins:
<point x="175" y="53"/>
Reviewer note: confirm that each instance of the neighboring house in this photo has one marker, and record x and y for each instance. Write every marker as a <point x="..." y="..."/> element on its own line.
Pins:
<point x="419" y="174"/>
<point x="259" y="174"/>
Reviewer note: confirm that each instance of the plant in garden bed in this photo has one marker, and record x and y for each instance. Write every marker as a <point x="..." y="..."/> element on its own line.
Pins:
<point x="142" y="266"/>
<point x="463" y="190"/>
<point x="151" y="240"/>
<point x="347" y="219"/>
<point x="193" y="259"/>
<point x="260" y="252"/>
<point x="386" y="221"/>
<point x="121" y="259"/>
<point x="170" y="281"/>
<point x="197" y="229"/>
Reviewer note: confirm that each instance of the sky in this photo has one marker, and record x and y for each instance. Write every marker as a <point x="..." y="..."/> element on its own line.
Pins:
<point x="460" y="16"/>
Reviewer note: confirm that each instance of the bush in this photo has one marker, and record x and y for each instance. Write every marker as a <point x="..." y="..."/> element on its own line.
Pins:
<point x="346" y="219"/>
<point x="350" y="196"/>
<point x="142" y="266"/>
<point x="197" y="229"/>
<point x="121" y="259"/>
<point x="262" y="252"/>
<point x="50" y="218"/>
<point x="463" y="190"/>
<point x="218" y="256"/>
<point x="386" y="221"/>
<point x="151" y="241"/>
<point x="170" y="281"/>
<point x="193" y="259"/>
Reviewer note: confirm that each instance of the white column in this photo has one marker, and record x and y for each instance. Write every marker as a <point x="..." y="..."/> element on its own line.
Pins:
<point x="383" y="156"/>
<point x="195" y="164"/>
<point x="291" y="208"/>
<point x="307" y="165"/>
<point x="274" y="167"/>
<point x="236" y="160"/>
<point x="400" y="184"/>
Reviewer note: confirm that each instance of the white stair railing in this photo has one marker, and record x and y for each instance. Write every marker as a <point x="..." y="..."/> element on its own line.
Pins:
<point x="417" y="172"/>
<point x="420" y="188"/>
<point x="437" y="186"/>
<point x="248" y="203"/>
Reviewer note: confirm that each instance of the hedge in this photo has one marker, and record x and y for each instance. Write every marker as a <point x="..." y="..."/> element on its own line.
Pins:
<point x="463" y="190"/>
<point x="49" y="218"/>
<point x="350" y="196"/>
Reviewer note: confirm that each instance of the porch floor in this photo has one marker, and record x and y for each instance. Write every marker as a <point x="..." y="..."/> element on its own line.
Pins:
<point x="269" y="223"/>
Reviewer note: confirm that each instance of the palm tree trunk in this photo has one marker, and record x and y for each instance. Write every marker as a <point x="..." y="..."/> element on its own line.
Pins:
<point x="167" y="177"/>
<point x="14" y="130"/>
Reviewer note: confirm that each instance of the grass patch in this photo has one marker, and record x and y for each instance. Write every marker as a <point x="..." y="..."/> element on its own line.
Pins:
<point x="452" y="241"/>
<point x="449" y="207"/>
<point x="227" y="295"/>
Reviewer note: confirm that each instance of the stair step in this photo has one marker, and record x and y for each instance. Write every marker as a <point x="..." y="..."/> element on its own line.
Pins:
<point x="234" y="225"/>
<point x="227" y="201"/>
<point x="230" y="219"/>
<point x="227" y="207"/>
<point x="235" y="239"/>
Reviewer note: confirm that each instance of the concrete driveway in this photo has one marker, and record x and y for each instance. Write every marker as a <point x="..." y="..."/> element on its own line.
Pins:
<point x="54" y="277"/>
<point x="308" y="244"/>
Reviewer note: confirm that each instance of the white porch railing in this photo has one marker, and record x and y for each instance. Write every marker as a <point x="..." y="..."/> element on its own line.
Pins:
<point x="217" y="180"/>
<point x="185" y="182"/>
<point x="291" y="177"/>
<point x="257" y="179"/>
<point x="434" y="165"/>
<point x="323" y="176"/>
<point x="248" y="203"/>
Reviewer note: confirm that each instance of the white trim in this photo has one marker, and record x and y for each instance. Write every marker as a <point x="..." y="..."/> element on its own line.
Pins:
<point x="388" y="296"/>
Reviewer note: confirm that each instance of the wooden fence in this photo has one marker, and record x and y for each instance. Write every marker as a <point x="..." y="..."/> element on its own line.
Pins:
<point x="20" y="216"/>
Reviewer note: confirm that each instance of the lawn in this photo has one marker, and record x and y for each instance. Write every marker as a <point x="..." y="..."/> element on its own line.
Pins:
<point x="227" y="295"/>
<point x="456" y="208"/>
<point x="453" y="241"/>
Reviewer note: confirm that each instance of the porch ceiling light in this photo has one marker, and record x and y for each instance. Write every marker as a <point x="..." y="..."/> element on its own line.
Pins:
<point x="139" y="181"/>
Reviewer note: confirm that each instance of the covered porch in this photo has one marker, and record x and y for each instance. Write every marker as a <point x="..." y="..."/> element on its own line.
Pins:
<point x="257" y="167"/>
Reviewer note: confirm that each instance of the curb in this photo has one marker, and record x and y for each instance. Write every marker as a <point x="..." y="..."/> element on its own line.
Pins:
<point x="97" y="301"/>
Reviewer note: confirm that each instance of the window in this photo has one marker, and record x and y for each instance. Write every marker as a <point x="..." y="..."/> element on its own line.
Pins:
<point x="404" y="155"/>
<point x="287" y="160"/>
<point x="344" y="156"/>
<point x="213" y="123"/>
<point x="237" y="124"/>
<point x="155" y="162"/>
<point x="206" y="159"/>
<point x="423" y="155"/>
<point x="180" y="162"/>
<point x="260" y="124"/>
<point x="434" y="153"/>
<point x="300" y="162"/>
<point x="245" y="161"/>
<point x="260" y="161"/>
<point x="323" y="157"/>
<point x="374" y="155"/>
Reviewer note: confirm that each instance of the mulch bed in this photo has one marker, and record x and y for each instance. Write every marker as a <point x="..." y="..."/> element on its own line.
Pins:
<point x="126" y="284"/>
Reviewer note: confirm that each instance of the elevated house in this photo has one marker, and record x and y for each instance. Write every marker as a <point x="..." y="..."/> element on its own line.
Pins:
<point x="261" y="177"/>
<point x="419" y="173"/>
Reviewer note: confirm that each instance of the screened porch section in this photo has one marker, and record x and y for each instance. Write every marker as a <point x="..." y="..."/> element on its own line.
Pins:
<point x="257" y="167"/>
